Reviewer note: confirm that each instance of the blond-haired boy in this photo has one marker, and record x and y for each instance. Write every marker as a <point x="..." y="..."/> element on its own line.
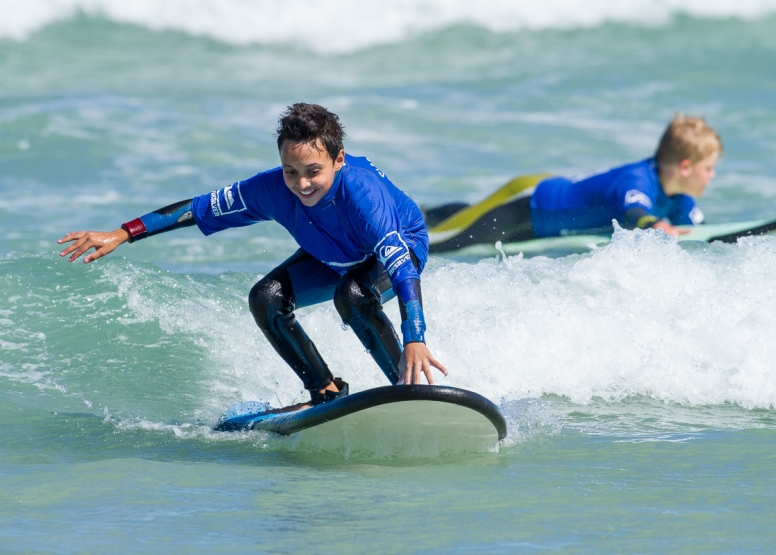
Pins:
<point x="658" y="192"/>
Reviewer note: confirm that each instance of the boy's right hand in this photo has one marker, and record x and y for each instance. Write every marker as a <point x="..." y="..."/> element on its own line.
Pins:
<point x="416" y="358"/>
<point x="103" y="242"/>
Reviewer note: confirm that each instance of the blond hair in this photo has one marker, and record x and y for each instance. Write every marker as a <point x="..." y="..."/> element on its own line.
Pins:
<point x="687" y="137"/>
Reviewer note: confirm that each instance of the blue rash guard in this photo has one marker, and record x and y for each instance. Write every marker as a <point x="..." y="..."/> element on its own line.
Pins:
<point x="630" y="194"/>
<point x="362" y="215"/>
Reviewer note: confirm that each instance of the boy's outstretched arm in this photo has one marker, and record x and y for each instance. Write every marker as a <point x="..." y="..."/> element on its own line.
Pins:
<point x="104" y="242"/>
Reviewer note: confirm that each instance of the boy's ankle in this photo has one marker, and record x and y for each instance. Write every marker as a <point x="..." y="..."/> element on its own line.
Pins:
<point x="336" y="389"/>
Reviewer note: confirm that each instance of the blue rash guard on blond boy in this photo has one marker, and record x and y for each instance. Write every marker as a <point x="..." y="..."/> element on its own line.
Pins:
<point x="630" y="194"/>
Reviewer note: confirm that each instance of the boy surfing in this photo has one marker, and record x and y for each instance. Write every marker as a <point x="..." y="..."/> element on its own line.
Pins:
<point x="362" y="241"/>
<point x="658" y="193"/>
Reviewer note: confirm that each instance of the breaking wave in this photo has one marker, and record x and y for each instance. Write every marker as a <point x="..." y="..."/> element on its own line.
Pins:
<point x="347" y="25"/>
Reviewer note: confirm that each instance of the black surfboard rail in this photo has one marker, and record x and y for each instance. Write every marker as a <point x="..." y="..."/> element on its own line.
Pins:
<point x="733" y="237"/>
<point x="291" y="422"/>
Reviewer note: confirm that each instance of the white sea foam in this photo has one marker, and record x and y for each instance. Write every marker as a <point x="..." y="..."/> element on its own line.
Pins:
<point x="344" y="25"/>
<point x="641" y="317"/>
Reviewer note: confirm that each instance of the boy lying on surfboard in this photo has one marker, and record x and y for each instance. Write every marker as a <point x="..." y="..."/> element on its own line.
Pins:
<point x="658" y="192"/>
<point x="362" y="242"/>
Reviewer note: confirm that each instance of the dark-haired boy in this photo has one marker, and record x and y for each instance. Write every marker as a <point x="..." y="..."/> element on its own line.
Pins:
<point x="362" y="242"/>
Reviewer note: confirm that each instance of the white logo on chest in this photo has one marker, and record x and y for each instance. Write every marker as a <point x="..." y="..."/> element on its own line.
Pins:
<point x="637" y="197"/>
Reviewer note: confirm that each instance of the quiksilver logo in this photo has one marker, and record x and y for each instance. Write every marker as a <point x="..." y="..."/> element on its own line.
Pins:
<point x="227" y="200"/>
<point x="387" y="251"/>
<point x="396" y="263"/>
<point x="229" y="197"/>
<point x="214" y="203"/>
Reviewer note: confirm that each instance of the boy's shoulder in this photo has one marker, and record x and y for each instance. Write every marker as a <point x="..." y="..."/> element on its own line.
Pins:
<point x="361" y="167"/>
<point x="363" y="178"/>
<point x="648" y="166"/>
<point x="264" y="193"/>
<point x="642" y="174"/>
<point x="272" y="176"/>
<point x="266" y="185"/>
<point x="645" y="167"/>
<point x="359" y="162"/>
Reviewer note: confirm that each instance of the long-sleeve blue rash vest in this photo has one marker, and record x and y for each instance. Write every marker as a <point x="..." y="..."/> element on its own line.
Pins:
<point x="630" y="194"/>
<point x="363" y="214"/>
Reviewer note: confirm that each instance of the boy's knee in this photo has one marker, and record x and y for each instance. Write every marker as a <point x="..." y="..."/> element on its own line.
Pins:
<point x="347" y="297"/>
<point x="266" y="300"/>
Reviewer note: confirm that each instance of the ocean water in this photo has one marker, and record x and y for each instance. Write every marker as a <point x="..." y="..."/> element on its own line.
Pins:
<point x="638" y="378"/>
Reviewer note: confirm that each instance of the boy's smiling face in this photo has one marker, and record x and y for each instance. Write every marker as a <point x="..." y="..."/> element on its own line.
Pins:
<point x="308" y="170"/>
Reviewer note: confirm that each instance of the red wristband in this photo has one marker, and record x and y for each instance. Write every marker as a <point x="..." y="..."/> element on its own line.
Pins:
<point x="136" y="229"/>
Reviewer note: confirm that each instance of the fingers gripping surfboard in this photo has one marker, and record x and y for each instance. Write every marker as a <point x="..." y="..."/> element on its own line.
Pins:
<point x="291" y="422"/>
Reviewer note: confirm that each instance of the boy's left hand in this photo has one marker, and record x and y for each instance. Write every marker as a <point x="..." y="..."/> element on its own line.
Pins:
<point x="417" y="358"/>
<point x="665" y="227"/>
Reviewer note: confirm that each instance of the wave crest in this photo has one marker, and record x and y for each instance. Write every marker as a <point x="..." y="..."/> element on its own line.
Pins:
<point x="347" y="25"/>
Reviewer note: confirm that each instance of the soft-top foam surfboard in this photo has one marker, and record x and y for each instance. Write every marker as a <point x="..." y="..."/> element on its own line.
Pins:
<point x="431" y="402"/>
<point x="727" y="233"/>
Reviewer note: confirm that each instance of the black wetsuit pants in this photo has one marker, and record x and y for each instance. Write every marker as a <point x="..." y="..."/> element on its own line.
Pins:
<point x="358" y="296"/>
<point x="507" y="223"/>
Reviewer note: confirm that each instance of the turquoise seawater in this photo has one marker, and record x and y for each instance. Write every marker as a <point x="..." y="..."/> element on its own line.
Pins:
<point x="638" y="379"/>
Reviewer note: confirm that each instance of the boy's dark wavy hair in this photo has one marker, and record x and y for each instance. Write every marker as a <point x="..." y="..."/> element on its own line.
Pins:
<point x="308" y="123"/>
